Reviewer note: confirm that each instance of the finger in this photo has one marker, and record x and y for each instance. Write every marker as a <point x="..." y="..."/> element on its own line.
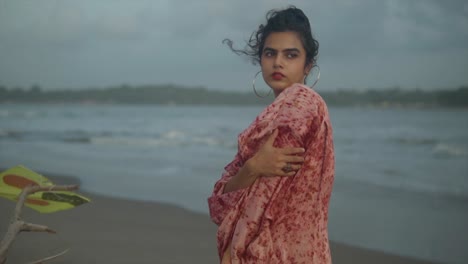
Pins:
<point x="292" y="151"/>
<point x="280" y="172"/>
<point x="287" y="174"/>
<point x="294" y="169"/>
<point x="272" y="137"/>
<point x="294" y="159"/>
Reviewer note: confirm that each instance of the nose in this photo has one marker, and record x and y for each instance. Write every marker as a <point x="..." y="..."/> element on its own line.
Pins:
<point x="278" y="62"/>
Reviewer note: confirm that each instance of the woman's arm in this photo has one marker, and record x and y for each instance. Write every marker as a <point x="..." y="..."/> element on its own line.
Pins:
<point x="243" y="179"/>
<point x="268" y="161"/>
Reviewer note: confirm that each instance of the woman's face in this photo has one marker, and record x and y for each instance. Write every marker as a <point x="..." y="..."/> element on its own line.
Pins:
<point x="283" y="61"/>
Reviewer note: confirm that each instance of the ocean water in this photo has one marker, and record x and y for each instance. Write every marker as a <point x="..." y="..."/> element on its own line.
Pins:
<point x="401" y="182"/>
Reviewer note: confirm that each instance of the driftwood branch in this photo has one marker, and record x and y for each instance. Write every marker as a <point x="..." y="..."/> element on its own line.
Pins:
<point x="17" y="225"/>
<point x="28" y="227"/>
<point x="50" y="258"/>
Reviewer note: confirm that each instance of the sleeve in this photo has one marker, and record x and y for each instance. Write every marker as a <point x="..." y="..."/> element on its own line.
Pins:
<point x="306" y="117"/>
<point x="299" y="117"/>
<point x="219" y="203"/>
<point x="302" y="122"/>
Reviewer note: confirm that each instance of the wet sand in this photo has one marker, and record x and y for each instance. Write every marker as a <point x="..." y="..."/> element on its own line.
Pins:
<point x="112" y="230"/>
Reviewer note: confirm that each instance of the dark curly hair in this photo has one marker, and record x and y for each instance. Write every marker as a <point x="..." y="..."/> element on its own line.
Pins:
<point x="289" y="19"/>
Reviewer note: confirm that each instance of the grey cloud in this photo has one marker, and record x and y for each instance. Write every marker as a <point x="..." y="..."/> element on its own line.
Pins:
<point x="95" y="43"/>
<point x="70" y="24"/>
<point x="427" y="25"/>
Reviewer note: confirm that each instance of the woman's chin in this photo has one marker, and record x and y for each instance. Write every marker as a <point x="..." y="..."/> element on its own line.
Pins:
<point x="277" y="89"/>
<point x="279" y="85"/>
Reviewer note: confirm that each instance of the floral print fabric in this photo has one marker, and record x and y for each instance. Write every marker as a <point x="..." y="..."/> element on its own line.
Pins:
<point x="280" y="219"/>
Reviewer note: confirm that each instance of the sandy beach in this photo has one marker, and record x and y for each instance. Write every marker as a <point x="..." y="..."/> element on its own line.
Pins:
<point x="112" y="230"/>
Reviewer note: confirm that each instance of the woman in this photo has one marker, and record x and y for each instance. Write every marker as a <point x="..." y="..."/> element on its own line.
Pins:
<point x="271" y="203"/>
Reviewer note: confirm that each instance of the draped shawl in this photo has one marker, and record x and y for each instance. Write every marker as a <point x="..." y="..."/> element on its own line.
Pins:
<point x="280" y="219"/>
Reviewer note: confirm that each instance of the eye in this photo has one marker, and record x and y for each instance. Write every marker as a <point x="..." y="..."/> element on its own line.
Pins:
<point x="291" y="55"/>
<point x="268" y="53"/>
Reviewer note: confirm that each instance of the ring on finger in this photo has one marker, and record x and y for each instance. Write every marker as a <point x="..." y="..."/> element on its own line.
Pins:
<point x="287" y="168"/>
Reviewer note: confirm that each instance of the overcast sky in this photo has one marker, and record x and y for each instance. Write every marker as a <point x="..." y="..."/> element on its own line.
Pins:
<point x="363" y="43"/>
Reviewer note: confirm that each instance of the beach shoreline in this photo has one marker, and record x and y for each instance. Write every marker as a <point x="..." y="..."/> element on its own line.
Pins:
<point x="115" y="230"/>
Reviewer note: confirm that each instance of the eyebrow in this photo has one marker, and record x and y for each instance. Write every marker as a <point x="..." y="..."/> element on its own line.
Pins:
<point x="285" y="50"/>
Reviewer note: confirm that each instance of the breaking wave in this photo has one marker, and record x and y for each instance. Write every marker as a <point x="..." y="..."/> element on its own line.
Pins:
<point x="415" y="141"/>
<point x="443" y="150"/>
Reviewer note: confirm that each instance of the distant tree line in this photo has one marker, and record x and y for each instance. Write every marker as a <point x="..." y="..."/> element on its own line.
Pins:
<point x="126" y="94"/>
<point x="399" y="97"/>
<point x="171" y="94"/>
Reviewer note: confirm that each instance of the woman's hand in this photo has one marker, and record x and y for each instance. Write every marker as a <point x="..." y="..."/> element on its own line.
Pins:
<point x="270" y="161"/>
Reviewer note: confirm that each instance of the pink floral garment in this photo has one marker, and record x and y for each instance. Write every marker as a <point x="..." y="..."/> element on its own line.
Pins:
<point x="280" y="219"/>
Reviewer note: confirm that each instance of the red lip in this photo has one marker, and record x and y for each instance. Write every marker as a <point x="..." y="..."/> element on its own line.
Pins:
<point x="277" y="76"/>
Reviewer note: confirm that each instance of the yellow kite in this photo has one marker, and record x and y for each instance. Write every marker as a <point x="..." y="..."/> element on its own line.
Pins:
<point x="13" y="180"/>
